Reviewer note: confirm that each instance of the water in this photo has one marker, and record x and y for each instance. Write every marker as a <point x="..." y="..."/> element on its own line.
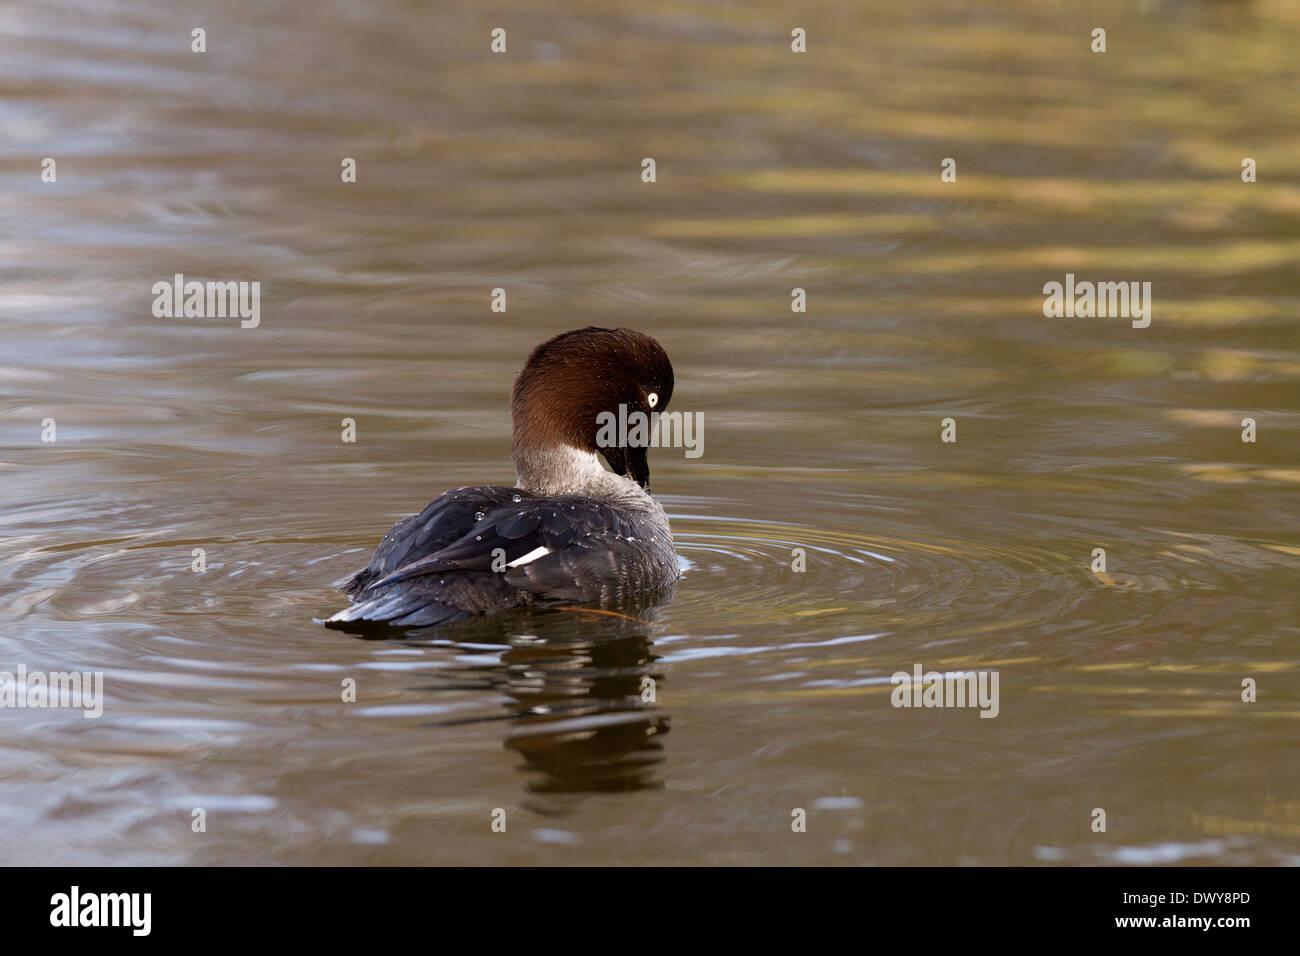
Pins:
<point x="690" y="728"/>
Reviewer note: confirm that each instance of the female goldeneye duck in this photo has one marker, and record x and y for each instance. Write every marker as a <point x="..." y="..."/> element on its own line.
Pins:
<point x="569" y="532"/>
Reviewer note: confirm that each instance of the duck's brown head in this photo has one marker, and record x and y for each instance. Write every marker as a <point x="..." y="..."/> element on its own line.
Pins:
<point x="566" y="385"/>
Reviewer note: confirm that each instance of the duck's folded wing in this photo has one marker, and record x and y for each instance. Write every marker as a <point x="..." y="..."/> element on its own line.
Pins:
<point x="600" y="567"/>
<point x="447" y="518"/>
<point x="560" y="550"/>
<point x="518" y="535"/>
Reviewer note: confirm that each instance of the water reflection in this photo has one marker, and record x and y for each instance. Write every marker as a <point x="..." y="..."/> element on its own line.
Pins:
<point x="582" y="689"/>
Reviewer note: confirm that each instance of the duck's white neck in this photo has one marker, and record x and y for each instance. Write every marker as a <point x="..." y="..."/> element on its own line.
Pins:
<point x="564" y="470"/>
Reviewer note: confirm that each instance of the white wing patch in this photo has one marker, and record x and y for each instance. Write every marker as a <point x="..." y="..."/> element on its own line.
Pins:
<point x="532" y="555"/>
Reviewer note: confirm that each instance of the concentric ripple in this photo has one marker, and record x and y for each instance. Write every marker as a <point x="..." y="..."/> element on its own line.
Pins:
<point x="749" y="567"/>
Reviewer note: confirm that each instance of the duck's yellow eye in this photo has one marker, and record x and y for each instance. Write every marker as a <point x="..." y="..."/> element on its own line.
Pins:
<point x="653" y="399"/>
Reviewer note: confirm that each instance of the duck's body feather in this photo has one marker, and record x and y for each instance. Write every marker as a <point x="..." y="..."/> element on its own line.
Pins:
<point x="480" y="550"/>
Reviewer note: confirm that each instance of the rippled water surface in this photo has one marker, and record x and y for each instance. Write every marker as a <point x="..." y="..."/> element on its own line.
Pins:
<point x="1119" y="690"/>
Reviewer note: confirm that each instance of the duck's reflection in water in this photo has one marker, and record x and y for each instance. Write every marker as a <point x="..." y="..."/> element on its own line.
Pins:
<point x="583" y="693"/>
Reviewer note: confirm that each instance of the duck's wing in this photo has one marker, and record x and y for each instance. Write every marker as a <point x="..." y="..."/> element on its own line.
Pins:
<point x="447" y="518"/>
<point x="516" y="552"/>
<point x="538" y="546"/>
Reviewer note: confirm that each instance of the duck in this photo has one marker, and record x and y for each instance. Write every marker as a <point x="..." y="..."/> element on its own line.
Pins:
<point x="568" y="532"/>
